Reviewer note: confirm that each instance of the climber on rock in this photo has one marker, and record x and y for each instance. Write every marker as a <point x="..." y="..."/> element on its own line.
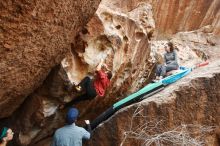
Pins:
<point x="71" y="134"/>
<point x="6" y="135"/>
<point x="170" y="59"/>
<point x="93" y="87"/>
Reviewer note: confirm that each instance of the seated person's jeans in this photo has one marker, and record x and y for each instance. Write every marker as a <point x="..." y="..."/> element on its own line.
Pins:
<point x="161" y="70"/>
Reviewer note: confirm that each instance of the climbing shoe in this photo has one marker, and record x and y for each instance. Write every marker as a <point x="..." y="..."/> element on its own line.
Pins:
<point x="78" y="88"/>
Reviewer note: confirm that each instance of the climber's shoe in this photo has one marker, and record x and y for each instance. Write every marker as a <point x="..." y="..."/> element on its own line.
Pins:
<point x="158" y="78"/>
<point x="78" y="88"/>
<point x="155" y="81"/>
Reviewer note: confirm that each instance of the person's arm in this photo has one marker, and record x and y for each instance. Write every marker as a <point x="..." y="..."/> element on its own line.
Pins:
<point x="164" y="58"/>
<point x="106" y="67"/>
<point x="175" y="56"/>
<point x="99" y="67"/>
<point x="89" y="129"/>
<point x="86" y="134"/>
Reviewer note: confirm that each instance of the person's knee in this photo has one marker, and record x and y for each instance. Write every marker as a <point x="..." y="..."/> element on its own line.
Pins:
<point x="159" y="66"/>
<point x="170" y="68"/>
<point x="163" y="68"/>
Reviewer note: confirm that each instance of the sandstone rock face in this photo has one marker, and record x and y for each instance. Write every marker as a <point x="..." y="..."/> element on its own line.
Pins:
<point x="34" y="36"/>
<point x="187" y="15"/>
<point x="122" y="40"/>
<point x="122" y="34"/>
<point x="192" y="101"/>
<point x="38" y="116"/>
<point x="172" y="16"/>
<point x="126" y="34"/>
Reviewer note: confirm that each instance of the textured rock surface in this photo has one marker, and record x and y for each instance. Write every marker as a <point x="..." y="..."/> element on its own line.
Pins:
<point x="37" y="117"/>
<point x="123" y="41"/>
<point x="122" y="38"/>
<point x="34" y="36"/>
<point x="194" y="100"/>
<point x="118" y="39"/>
<point x="122" y="33"/>
<point x="193" y="47"/>
<point x="172" y="16"/>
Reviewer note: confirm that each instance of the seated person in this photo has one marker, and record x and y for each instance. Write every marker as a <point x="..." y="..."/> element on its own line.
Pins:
<point x="170" y="59"/>
<point x="95" y="87"/>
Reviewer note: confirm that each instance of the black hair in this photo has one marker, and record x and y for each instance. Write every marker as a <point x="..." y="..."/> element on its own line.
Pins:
<point x="171" y="46"/>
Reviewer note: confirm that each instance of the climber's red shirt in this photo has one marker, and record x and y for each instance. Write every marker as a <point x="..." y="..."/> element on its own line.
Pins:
<point x="101" y="82"/>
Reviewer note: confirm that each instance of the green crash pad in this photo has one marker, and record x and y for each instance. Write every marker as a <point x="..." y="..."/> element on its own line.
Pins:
<point x="142" y="91"/>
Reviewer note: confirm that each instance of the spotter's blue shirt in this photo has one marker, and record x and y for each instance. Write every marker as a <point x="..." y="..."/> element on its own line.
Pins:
<point x="70" y="135"/>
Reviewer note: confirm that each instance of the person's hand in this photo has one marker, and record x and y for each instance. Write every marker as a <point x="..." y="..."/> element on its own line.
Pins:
<point x="104" y="65"/>
<point x="102" y="61"/>
<point x="99" y="67"/>
<point x="87" y="122"/>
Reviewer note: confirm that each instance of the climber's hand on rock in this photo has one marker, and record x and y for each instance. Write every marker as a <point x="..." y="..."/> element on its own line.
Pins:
<point x="87" y="122"/>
